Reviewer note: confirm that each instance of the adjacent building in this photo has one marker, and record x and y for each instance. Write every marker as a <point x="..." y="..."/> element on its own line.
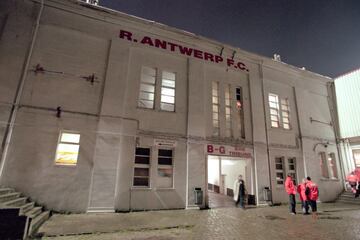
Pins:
<point x="103" y="111"/>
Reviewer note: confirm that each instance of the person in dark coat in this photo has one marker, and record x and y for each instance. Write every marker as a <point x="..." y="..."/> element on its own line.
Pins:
<point x="239" y="192"/>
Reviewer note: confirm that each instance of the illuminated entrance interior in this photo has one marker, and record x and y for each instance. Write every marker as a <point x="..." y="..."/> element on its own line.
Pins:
<point x="222" y="172"/>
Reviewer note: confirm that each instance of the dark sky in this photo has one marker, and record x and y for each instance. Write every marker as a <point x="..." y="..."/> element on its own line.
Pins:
<point x="321" y="35"/>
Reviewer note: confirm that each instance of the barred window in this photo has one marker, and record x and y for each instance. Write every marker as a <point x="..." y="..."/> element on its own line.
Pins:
<point x="215" y="108"/>
<point x="147" y="88"/>
<point x="168" y="91"/>
<point x="228" y="120"/>
<point x="279" y="170"/>
<point x="142" y="167"/>
<point x="165" y="168"/>
<point x="274" y="110"/>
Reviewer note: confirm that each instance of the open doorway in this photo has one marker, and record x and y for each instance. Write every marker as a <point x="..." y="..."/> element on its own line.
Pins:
<point x="222" y="172"/>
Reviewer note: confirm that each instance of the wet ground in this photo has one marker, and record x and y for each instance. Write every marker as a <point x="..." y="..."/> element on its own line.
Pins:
<point x="334" y="221"/>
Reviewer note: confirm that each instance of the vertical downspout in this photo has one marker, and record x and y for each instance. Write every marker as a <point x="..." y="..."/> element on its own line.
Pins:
<point x="187" y="132"/>
<point x="300" y="134"/>
<point x="266" y="129"/>
<point x="19" y="91"/>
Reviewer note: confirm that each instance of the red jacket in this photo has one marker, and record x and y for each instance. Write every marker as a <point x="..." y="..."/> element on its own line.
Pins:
<point x="314" y="191"/>
<point x="352" y="178"/>
<point x="301" y="190"/>
<point x="289" y="186"/>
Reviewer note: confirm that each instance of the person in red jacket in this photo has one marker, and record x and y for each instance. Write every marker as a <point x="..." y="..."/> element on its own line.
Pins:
<point x="312" y="194"/>
<point x="290" y="190"/>
<point x="352" y="179"/>
<point x="301" y="188"/>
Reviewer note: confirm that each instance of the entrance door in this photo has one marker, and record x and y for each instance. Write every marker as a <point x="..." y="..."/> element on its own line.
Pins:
<point x="221" y="174"/>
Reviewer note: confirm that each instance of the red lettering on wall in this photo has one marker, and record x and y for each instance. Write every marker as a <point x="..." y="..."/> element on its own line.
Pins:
<point x="198" y="54"/>
<point x="172" y="46"/>
<point x="208" y="56"/>
<point x="230" y="62"/>
<point x="241" y="66"/>
<point x="222" y="150"/>
<point x="147" y="40"/>
<point x="125" y="35"/>
<point x="159" y="43"/>
<point x="218" y="59"/>
<point x="185" y="50"/>
<point x="210" y="148"/>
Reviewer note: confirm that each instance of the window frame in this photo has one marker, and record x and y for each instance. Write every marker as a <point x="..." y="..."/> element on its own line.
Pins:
<point x="139" y="99"/>
<point x="281" y="110"/>
<point x="165" y="166"/>
<point x="289" y="171"/>
<point x="139" y="165"/>
<point x="228" y="108"/>
<point x="324" y="165"/>
<point x="213" y="104"/>
<point x="69" y="143"/>
<point x="332" y="166"/>
<point x="166" y="87"/>
<point x="282" y="158"/>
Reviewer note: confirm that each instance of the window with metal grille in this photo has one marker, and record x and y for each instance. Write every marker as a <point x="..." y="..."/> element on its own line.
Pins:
<point x="285" y="112"/>
<point x="240" y="109"/>
<point x="67" y="151"/>
<point x="147" y="88"/>
<point x="279" y="170"/>
<point x="168" y="91"/>
<point x="215" y="108"/>
<point x="228" y="111"/>
<point x="142" y="167"/>
<point x="274" y="110"/>
<point x="292" y="167"/>
<point x="323" y="165"/>
<point x="332" y="165"/>
<point x="165" y="168"/>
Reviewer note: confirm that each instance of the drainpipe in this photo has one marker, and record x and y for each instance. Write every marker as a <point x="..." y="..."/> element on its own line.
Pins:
<point x="266" y="129"/>
<point x="187" y="133"/>
<point x="19" y="91"/>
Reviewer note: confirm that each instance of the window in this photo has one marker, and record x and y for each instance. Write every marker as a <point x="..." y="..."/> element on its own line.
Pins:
<point x="168" y="91"/>
<point x="279" y="170"/>
<point x="165" y="168"/>
<point x="274" y="110"/>
<point x="215" y="108"/>
<point x="292" y="167"/>
<point x="323" y="165"/>
<point x="67" y="149"/>
<point x="356" y="156"/>
<point x="279" y="117"/>
<point x="142" y="167"/>
<point x="228" y="111"/>
<point x="285" y="112"/>
<point x="147" y="88"/>
<point x="332" y="165"/>
<point x="240" y="109"/>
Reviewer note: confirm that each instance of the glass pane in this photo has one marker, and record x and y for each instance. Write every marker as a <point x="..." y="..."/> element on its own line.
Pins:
<point x="216" y="131"/>
<point x="273" y="105"/>
<point x="149" y="71"/>
<point x="227" y="102"/>
<point x="286" y="126"/>
<point x="167" y="99"/>
<point x="146" y="96"/>
<point x="285" y="114"/>
<point x="215" y="85"/>
<point x="168" y="91"/>
<point x="228" y="117"/>
<point x="146" y="104"/>
<point x="215" y="100"/>
<point x="285" y="108"/>
<point x="142" y="151"/>
<point x="215" y="108"/>
<point x="285" y="120"/>
<point x="67" y="154"/>
<point x="215" y="123"/>
<point x="238" y="92"/>
<point x="168" y="75"/>
<point x="141" y="182"/>
<point x="275" y="124"/>
<point x="141" y="172"/>
<point x="147" y="88"/>
<point x="215" y="116"/>
<point x="274" y="118"/>
<point x="147" y="79"/>
<point x="273" y="112"/>
<point x="70" y="137"/>
<point x="279" y="166"/>
<point x="279" y="175"/>
<point x="165" y="172"/>
<point x="168" y="83"/>
<point x="167" y="107"/>
<point x="278" y="160"/>
<point x="273" y="98"/>
<point x="165" y="152"/>
<point x="142" y="160"/>
<point x="164" y="161"/>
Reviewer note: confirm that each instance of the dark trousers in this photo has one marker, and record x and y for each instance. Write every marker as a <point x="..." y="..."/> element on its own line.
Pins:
<point x="313" y="205"/>
<point x="240" y="201"/>
<point x="292" y="203"/>
<point x="305" y="206"/>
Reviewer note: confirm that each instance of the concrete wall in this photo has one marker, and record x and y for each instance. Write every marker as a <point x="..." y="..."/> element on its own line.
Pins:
<point x="74" y="42"/>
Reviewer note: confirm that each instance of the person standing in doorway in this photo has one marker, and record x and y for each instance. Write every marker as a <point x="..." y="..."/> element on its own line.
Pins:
<point x="312" y="193"/>
<point x="290" y="190"/>
<point x="239" y="192"/>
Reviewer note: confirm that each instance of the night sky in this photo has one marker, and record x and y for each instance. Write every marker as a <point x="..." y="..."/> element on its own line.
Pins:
<point x="321" y="35"/>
